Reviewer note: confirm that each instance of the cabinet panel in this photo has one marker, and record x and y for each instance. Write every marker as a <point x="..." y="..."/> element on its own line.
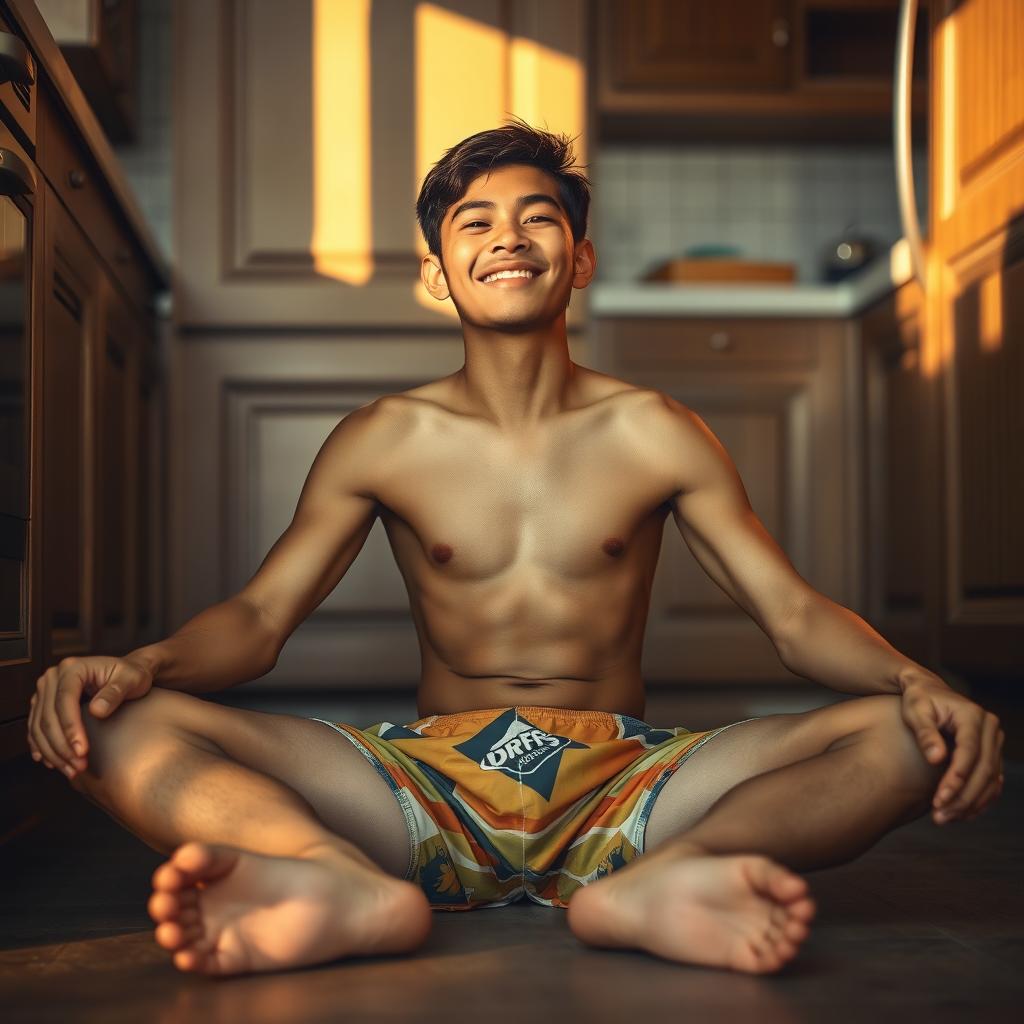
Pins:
<point x="898" y="491"/>
<point x="117" y="469"/>
<point x="777" y="394"/>
<point x="70" y="317"/>
<point x="690" y="44"/>
<point x="976" y="319"/>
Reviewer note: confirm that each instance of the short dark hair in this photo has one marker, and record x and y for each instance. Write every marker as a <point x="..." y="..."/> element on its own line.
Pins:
<point x="515" y="142"/>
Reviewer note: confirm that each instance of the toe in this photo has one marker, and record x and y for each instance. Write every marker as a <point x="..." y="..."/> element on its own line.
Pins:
<point x="170" y="935"/>
<point x="163" y="906"/>
<point x="802" y="910"/>
<point x="167" y="878"/>
<point x="204" y="862"/>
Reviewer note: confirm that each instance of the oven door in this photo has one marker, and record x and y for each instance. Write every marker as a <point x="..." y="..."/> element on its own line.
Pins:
<point x="17" y="204"/>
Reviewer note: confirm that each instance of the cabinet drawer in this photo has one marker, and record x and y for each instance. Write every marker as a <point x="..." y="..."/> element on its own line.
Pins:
<point x="72" y="172"/>
<point x="663" y="343"/>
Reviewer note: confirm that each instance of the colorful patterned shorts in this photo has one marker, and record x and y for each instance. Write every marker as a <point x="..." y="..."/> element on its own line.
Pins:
<point x="523" y="801"/>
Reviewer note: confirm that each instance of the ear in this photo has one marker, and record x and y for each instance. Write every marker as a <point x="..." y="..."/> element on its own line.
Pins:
<point x="433" y="277"/>
<point x="584" y="263"/>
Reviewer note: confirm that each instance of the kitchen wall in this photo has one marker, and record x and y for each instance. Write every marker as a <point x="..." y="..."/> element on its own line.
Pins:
<point x="650" y="202"/>
<point x="779" y="203"/>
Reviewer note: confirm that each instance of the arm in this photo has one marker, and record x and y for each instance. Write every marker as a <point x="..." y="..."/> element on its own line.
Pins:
<point x="815" y="637"/>
<point x="241" y="638"/>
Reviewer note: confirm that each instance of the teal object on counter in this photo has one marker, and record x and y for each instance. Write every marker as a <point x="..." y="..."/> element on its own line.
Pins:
<point x="708" y="252"/>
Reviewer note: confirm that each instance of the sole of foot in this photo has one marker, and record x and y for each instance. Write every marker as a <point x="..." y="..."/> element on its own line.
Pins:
<point x="223" y="910"/>
<point x="743" y="912"/>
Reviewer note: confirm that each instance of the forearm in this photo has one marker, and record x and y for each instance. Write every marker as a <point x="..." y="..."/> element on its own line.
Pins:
<point x="226" y="644"/>
<point x="832" y="645"/>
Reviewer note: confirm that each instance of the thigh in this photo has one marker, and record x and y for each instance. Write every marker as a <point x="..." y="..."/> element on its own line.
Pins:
<point x="746" y="749"/>
<point x="316" y="761"/>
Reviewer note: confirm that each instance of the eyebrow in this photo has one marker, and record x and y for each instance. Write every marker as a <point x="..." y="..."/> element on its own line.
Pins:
<point x="486" y="204"/>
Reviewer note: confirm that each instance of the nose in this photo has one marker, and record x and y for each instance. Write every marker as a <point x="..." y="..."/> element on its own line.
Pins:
<point x="511" y="238"/>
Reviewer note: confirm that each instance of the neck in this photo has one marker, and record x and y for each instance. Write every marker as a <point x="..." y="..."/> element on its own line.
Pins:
<point x="517" y="380"/>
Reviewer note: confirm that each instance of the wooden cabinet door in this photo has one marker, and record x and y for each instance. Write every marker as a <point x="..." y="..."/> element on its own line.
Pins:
<point x="975" y="356"/>
<point x="119" y="341"/>
<point x="897" y="495"/>
<point x="773" y="392"/>
<point x="694" y="46"/>
<point x="72" y="282"/>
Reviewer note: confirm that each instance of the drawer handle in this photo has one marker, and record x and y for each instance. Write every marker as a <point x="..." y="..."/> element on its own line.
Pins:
<point x="720" y="341"/>
<point x="16" y="63"/>
<point x="76" y="179"/>
<point x="16" y="177"/>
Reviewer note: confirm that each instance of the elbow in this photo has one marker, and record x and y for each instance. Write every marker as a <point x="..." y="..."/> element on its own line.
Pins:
<point x="789" y="630"/>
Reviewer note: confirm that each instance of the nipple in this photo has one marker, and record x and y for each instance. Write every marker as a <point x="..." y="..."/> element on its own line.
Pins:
<point x="613" y="546"/>
<point x="441" y="552"/>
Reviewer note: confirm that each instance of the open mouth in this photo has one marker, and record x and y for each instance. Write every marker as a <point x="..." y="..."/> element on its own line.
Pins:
<point x="511" y="278"/>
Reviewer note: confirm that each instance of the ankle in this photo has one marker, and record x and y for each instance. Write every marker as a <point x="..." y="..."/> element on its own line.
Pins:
<point x="682" y="846"/>
<point x="335" y="849"/>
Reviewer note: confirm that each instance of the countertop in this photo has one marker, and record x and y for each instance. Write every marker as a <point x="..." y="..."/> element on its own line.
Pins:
<point x="51" y="60"/>
<point x="843" y="299"/>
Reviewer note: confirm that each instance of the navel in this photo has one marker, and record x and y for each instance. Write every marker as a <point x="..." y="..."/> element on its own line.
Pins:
<point x="441" y="552"/>
<point x="613" y="546"/>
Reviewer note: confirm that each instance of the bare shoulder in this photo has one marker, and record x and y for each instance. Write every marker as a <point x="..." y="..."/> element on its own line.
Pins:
<point x="674" y="438"/>
<point x="359" y="445"/>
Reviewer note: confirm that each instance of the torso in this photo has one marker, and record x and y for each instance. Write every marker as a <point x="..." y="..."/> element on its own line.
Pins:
<point x="529" y="559"/>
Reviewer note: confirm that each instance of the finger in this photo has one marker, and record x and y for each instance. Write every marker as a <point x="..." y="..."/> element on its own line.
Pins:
<point x="995" y="787"/>
<point x="51" y="727"/>
<point x="41" y="733"/>
<point x="919" y="714"/>
<point x="69" y="712"/>
<point x="982" y="773"/>
<point x="33" y="749"/>
<point x="986" y="799"/>
<point x="967" y="744"/>
<point x="105" y="700"/>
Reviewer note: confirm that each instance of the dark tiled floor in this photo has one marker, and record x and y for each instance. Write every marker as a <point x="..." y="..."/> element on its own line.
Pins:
<point x="927" y="925"/>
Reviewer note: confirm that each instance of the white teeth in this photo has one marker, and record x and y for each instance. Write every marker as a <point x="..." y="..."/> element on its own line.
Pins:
<point x="508" y="273"/>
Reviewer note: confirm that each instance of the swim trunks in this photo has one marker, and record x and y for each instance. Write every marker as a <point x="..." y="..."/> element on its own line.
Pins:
<point x="520" y="802"/>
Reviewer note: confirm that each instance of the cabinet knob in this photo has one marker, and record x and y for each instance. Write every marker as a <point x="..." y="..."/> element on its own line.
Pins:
<point x="720" y="341"/>
<point x="76" y="179"/>
<point x="780" y="32"/>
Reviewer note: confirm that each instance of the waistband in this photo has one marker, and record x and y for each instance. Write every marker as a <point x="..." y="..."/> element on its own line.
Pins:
<point x="566" y="714"/>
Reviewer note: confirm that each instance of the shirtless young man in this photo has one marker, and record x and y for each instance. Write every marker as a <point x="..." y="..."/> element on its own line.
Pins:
<point x="524" y="497"/>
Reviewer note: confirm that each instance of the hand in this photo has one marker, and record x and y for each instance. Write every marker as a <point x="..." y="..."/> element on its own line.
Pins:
<point x="55" y="715"/>
<point x="975" y="775"/>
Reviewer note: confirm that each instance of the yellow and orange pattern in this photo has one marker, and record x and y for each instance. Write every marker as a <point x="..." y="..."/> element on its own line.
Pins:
<point x="533" y="802"/>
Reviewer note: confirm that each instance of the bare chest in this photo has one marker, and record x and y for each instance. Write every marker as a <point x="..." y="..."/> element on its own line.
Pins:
<point x="568" y="506"/>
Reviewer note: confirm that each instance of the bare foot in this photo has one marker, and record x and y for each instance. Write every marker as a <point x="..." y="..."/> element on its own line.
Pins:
<point x="743" y="911"/>
<point x="223" y="910"/>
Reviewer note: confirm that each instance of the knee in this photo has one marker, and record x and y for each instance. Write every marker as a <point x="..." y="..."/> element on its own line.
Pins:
<point x="895" y="748"/>
<point x="130" y="731"/>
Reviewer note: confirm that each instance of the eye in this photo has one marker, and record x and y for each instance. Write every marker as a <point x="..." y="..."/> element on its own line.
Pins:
<point x="473" y="222"/>
<point x="538" y="215"/>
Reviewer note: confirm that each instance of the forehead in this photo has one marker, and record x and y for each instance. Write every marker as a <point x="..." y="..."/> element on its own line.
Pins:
<point x="502" y="186"/>
<point x="509" y="182"/>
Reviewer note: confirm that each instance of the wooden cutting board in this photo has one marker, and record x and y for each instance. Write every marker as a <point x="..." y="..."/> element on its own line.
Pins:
<point x="711" y="270"/>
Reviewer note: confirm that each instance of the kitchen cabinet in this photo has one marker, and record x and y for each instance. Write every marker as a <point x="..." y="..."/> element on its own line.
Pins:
<point x="780" y="394"/>
<point x="80" y="572"/>
<point x="100" y="41"/>
<point x="766" y="70"/>
<point x="897" y="498"/>
<point x="975" y="316"/>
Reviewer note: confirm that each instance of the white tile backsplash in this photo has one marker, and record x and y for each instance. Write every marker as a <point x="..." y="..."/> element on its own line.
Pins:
<point x="777" y="202"/>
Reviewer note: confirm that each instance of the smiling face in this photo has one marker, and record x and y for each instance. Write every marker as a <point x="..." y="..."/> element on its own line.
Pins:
<point x="509" y="220"/>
